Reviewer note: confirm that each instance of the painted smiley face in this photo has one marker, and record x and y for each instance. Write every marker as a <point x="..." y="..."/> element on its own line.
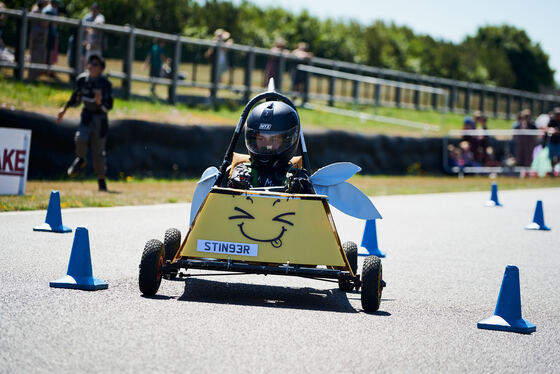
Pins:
<point x="282" y="218"/>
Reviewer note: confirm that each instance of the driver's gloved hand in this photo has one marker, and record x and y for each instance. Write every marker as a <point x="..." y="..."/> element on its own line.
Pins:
<point x="298" y="182"/>
<point x="240" y="178"/>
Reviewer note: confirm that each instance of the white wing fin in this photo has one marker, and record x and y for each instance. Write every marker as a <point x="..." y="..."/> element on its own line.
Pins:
<point x="203" y="186"/>
<point x="334" y="173"/>
<point x="209" y="172"/>
<point x="350" y="200"/>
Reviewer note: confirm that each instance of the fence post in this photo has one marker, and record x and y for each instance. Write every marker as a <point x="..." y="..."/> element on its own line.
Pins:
<point x="356" y="87"/>
<point x="508" y="106"/>
<point x="434" y="99"/>
<point x="249" y="67"/>
<point x="468" y="100"/>
<point x="481" y="102"/>
<point x="532" y="105"/>
<point x="127" y="68"/>
<point x="416" y="96"/>
<point x="307" y="85"/>
<point x="22" y="43"/>
<point x="543" y="106"/>
<point x="398" y="96"/>
<point x="378" y="91"/>
<point x="78" y="40"/>
<point x="496" y="105"/>
<point x="332" y="83"/>
<point x="521" y="103"/>
<point x="452" y="98"/>
<point x="172" y="96"/>
<point x="214" y="71"/>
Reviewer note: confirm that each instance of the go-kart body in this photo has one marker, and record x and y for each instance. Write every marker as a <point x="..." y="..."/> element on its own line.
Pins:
<point x="268" y="230"/>
<point x="265" y="228"/>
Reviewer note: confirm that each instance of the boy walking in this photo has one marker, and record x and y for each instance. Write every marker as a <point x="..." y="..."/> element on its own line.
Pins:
<point x="95" y="91"/>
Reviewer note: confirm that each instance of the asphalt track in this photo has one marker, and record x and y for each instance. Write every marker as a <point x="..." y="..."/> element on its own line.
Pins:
<point x="446" y="255"/>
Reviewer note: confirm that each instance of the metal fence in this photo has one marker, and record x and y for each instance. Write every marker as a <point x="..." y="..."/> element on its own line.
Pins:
<point x="246" y="72"/>
<point x="408" y="95"/>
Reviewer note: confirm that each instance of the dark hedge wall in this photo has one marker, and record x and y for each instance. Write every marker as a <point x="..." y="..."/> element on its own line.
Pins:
<point x="161" y="150"/>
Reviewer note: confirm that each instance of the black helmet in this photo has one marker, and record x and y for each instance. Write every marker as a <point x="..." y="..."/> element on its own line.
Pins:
<point x="272" y="134"/>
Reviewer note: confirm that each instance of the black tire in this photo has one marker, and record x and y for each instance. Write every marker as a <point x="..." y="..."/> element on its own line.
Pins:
<point x="351" y="251"/>
<point x="372" y="284"/>
<point x="150" y="275"/>
<point x="171" y="243"/>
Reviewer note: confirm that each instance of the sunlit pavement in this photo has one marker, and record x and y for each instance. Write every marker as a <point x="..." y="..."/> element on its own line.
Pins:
<point x="446" y="255"/>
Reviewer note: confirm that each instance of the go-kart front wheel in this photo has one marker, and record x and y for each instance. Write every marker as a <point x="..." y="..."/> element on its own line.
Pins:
<point x="351" y="252"/>
<point x="372" y="283"/>
<point x="149" y="278"/>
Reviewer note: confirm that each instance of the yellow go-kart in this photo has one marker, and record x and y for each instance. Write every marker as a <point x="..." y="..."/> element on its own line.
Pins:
<point x="267" y="230"/>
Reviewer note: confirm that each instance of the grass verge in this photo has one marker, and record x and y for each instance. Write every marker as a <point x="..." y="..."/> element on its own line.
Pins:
<point x="47" y="98"/>
<point x="77" y="194"/>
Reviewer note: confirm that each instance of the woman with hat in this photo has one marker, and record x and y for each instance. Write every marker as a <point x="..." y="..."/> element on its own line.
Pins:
<point x="221" y="62"/>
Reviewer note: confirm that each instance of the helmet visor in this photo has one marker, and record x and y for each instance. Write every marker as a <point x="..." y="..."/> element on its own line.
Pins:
<point x="270" y="142"/>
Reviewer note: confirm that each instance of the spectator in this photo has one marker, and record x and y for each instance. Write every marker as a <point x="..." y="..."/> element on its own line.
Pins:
<point x="95" y="91"/>
<point x="271" y="69"/>
<point x="479" y="148"/>
<point x="553" y="140"/>
<point x="156" y="58"/>
<point x="490" y="159"/>
<point x="52" y="39"/>
<point x="466" y="156"/>
<point x="38" y="39"/>
<point x="220" y="35"/>
<point x="298" y="77"/>
<point x="93" y="40"/>
<point x="524" y="144"/>
<point x="469" y="124"/>
<point x="453" y="156"/>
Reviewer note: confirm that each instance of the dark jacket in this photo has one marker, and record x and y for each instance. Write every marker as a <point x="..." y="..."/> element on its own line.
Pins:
<point x="85" y="92"/>
<point x="245" y="176"/>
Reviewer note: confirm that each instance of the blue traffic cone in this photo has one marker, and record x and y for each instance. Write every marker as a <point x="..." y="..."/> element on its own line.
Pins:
<point x="79" y="274"/>
<point x="507" y="315"/>
<point x="538" y="219"/>
<point x="53" y="221"/>
<point x="493" y="196"/>
<point x="369" y="240"/>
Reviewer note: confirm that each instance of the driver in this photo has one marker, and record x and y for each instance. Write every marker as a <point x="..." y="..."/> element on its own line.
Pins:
<point x="272" y="137"/>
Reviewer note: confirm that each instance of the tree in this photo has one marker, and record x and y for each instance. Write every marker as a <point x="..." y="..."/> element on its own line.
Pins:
<point x="499" y="55"/>
<point x="511" y="58"/>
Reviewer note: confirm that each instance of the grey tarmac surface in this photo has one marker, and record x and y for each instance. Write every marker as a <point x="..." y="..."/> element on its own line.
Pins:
<point x="446" y="255"/>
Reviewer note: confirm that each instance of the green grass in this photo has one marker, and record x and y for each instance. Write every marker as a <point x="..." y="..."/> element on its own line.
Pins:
<point x="47" y="98"/>
<point x="132" y="191"/>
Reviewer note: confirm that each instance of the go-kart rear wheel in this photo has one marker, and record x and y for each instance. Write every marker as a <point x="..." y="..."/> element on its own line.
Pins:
<point x="150" y="275"/>
<point x="351" y="251"/>
<point x="372" y="283"/>
<point x="171" y="243"/>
